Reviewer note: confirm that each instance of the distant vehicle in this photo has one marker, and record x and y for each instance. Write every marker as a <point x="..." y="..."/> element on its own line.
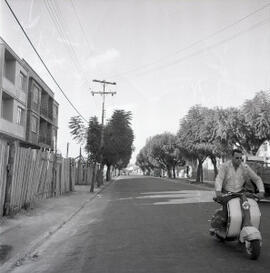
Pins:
<point x="262" y="168"/>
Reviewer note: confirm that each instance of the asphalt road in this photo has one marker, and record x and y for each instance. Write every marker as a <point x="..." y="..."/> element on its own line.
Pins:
<point x="149" y="225"/>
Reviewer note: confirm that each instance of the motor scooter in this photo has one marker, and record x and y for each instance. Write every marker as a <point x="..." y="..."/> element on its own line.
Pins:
<point x="242" y="223"/>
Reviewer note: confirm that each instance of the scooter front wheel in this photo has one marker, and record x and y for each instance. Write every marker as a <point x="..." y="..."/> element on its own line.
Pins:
<point x="253" y="249"/>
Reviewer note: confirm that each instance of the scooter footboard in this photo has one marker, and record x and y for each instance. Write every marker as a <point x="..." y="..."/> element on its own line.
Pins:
<point x="234" y="217"/>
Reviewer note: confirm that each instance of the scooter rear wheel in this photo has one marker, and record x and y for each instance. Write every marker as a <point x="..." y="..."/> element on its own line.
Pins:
<point x="253" y="249"/>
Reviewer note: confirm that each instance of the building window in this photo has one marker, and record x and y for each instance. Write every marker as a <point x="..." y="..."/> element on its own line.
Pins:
<point x="35" y="94"/>
<point x="54" y="111"/>
<point x="7" y="107"/>
<point x="20" y="115"/>
<point x="34" y="124"/>
<point x="9" y="66"/>
<point x="22" y="81"/>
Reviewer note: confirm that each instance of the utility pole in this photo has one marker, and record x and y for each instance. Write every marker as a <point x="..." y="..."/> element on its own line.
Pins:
<point x="67" y="149"/>
<point x="103" y="93"/>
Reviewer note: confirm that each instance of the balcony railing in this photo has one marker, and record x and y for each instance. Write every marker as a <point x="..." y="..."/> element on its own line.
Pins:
<point x="50" y="115"/>
<point x="44" y="111"/>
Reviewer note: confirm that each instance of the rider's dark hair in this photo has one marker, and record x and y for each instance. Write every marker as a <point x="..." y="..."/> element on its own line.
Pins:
<point x="236" y="151"/>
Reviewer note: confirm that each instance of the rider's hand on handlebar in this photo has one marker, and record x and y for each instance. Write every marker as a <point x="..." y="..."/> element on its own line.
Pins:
<point x="218" y="194"/>
<point x="260" y="195"/>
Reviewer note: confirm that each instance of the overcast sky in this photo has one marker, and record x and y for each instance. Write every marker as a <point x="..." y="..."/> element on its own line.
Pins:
<point x="164" y="55"/>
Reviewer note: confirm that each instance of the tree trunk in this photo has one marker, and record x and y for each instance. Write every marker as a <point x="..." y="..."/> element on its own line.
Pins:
<point x="214" y="162"/>
<point x="199" y="177"/>
<point x="93" y="178"/>
<point x="100" y="176"/>
<point x="174" y="172"/>
<point x="201" y="173"/>
<point x="169" y="172"/>
<point x="108" y="173"/>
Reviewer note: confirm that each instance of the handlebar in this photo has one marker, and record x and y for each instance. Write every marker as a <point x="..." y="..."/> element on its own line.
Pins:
<point x="230" y="195"/>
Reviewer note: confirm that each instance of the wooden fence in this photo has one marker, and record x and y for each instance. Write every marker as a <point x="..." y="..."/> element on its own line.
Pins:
<point x="4" y="151"/>
<point x="28" y="175"/>
<point x="84" y="172"/>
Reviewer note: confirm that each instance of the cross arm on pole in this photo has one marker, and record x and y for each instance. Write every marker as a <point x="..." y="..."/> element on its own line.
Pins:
<point x="103" y="93"/>
<point x="105" y="82"/>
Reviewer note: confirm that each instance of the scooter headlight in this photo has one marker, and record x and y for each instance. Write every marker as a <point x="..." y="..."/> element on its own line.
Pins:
<point x="246" y="205"/>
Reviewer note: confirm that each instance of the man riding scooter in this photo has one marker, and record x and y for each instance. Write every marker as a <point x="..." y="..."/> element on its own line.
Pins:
<point x="231" y="178"/>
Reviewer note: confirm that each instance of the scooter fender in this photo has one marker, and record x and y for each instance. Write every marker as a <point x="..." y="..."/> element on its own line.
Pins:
<point x="249" y="233"/>
<point x="234" y="218"/>
<point x="255" y="214"/>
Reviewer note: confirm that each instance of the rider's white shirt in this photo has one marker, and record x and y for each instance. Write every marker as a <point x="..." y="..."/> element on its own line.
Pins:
<point x="233" y="180"/>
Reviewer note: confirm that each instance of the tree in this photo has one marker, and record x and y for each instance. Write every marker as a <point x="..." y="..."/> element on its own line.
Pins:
<point x="119" y="137"/>
<point x="160" y="152"/>
<point x="118" y="140"/>
<point x="256" y="115"/>
<point x="93" y="145"/>
<point x="246" y="127"/>
<point x="190" y="137"/>
<point x="78" y="129"/>
<point x="209" y="136"/>
<point x="144" y="159"/>
<point x="93" y="140"/>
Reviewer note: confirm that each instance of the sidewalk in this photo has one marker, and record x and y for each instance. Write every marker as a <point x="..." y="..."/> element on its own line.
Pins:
<point x="208" y="184"/>
<point x="21" y="234"/>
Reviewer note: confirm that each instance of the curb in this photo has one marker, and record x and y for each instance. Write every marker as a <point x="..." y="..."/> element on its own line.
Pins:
<point x="205" y="184"/>
<point x="20" y="257"/>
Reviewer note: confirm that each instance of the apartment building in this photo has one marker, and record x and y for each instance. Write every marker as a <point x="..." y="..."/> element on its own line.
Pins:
<point x="28" y="110"/>
<point x="42" y="112"/>
<point x="13" y="94"/>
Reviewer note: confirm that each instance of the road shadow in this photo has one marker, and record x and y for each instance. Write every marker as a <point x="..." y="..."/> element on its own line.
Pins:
<point x="4" y="252"/>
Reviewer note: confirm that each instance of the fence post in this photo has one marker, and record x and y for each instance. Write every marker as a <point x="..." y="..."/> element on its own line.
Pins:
<point x="10" y="169"/>
<point x="53" y="193"/>
<point x="71" y="174"/>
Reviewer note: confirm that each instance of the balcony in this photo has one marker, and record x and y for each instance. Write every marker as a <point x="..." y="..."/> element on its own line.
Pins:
<point x="33" y="138"/>
<point x="44" y="110"/>
<point x="45" y="140"/>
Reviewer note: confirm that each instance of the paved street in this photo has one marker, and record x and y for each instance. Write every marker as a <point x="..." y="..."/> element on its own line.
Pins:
<point x="150" y="225"/>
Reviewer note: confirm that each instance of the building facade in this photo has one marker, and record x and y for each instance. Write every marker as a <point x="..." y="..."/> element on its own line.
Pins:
<point x="42" y="112"/>
<point x="29" y="112"/>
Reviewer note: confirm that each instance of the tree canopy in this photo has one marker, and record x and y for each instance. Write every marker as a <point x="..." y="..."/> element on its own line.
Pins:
<point x="118" y="139"/>
<point x="211" y="132"/>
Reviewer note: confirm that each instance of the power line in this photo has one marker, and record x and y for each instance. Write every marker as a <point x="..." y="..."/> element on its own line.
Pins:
<point x="40" y="58"/>
<point x="192" y="44"/>
<point x="61" y="21"/>
<point x="80" y="24"/>
<point x="90" y="48"/>
<point x="205" y="49"/>
<point x="201" y="50"/>
<point x="57" y="19"/>
<point x="53" y="9"/>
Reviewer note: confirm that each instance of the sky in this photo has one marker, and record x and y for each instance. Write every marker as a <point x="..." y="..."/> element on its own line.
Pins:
<point x="164" y="55"/>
